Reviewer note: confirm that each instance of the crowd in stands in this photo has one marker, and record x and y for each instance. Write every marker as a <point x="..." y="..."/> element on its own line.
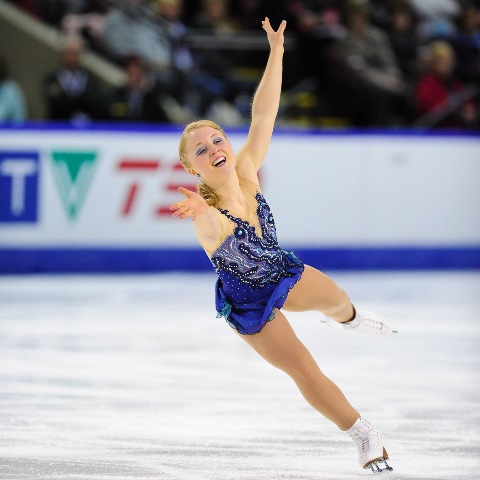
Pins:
<point x="12" y="101"/>
<point x="368" y="62"/>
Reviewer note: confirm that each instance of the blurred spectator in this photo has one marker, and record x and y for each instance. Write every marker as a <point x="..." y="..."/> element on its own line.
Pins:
<point x="319" y="18"/>
<point x="370" y="78"/>
<point x="437" y="17"/>
<point x="316" y="23"/>
<point x="212" y="82"/>
<point x="405" y="44"/>
<point x="466" y="43"/>
<point x="214" y="16"/>
<point x="85" y="18"/>
<point x="132" y="29"/>
<point x="71" y="92"/>
<point x="250" y="13"/>
<point x="442" y="95"/>
<point x="367" y="51"/>
<point x="75" y="17"/>
<point x="169" y="12"/>
<point x="12" y="102"/>
<point x="141" y="99"/>
<point x="381" y="11"/>
<point x="204" y="86"/>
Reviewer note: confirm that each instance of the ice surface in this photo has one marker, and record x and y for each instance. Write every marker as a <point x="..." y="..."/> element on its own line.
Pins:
<point x="133" y="377"/>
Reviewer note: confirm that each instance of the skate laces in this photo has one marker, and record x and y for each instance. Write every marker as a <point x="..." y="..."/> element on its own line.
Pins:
<point x="367" y="323"/>
<point x="360" y="429"/>
<point x="365" y="319"/>
<point x="371" y="452"/>
<point x="365" y="445"/>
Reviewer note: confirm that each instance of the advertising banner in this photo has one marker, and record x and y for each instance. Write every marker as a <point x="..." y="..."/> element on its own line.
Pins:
<point x="100" y="189"/>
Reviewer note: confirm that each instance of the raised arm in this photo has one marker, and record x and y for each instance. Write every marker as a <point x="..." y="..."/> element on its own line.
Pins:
<point x="264" y="106"/>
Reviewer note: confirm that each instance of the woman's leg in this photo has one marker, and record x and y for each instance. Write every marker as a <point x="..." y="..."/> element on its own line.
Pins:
<point x="278" y="344"/>
<point x="316" y="291"/>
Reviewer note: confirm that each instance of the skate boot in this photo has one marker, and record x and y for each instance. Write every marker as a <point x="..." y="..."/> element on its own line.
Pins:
<point x="364" y="323"/>
<point x="371" y="452"/>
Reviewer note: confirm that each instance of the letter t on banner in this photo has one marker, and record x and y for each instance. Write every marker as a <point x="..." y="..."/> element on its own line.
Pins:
<point x="19" y="172"/>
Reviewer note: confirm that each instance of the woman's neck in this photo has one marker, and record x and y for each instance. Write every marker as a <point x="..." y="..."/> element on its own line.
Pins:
<point x="232" y="196"/>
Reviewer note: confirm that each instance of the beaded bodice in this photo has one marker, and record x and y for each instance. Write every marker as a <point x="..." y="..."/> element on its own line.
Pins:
<point x="254" y="260"/>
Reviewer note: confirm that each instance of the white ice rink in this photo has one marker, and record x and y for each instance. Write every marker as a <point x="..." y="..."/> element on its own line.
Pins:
<point x="133" y="377"/>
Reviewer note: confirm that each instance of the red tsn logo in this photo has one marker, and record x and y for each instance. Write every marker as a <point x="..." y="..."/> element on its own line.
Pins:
<point x="144" y="165"/>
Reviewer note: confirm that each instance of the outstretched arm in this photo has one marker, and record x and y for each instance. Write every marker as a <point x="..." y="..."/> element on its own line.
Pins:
<point x="208" y="225"/>
<point x="264" y="106"/>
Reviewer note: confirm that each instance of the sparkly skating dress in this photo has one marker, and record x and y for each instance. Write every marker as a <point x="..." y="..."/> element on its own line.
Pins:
<point x="254" y="273"/>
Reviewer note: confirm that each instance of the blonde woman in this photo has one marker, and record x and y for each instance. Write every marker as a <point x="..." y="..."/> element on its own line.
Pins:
<point x="256" y="278"/>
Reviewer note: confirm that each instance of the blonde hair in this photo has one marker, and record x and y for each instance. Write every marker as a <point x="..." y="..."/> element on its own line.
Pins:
<point x="206" y="192"/>
<point x="440" y="49"/>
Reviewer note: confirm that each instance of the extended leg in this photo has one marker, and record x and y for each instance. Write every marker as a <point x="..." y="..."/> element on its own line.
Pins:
<point x="316" y="291"/>
<point x="278" y="344"/>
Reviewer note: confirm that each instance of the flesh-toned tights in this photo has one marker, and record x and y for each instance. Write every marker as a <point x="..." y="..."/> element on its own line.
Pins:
<point x="278" y="344"/>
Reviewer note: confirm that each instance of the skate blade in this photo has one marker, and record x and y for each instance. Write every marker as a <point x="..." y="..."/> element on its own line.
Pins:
<point x="375" y="466"/>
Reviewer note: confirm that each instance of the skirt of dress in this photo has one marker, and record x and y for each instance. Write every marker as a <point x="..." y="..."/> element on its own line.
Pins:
<point x="248" y="309"/>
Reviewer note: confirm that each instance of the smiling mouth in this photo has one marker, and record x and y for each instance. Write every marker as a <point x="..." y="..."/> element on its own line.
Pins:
<point x="219" y="162"/>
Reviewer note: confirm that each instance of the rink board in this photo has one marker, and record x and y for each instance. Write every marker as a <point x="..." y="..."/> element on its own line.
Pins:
<point x="97" y="199"/>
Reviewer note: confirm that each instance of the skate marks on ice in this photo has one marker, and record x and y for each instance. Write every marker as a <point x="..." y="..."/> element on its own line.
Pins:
<point x="133" y="377"/>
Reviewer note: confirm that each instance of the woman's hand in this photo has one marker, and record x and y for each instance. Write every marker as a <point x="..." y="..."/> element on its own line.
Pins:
<point x="194" y="205"/>
<point x="275" y="38"/>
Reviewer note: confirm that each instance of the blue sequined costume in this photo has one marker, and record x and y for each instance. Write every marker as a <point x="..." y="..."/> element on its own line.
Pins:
<point x="254" y="273"/>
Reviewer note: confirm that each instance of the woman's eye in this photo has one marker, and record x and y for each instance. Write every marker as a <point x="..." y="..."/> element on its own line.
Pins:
<point x="217" y="140"/>
<point x="200" y="150"/>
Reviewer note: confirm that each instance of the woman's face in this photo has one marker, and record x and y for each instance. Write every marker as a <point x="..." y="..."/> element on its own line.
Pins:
<point x="210" y="154"/>
<point x="443" y="64"/>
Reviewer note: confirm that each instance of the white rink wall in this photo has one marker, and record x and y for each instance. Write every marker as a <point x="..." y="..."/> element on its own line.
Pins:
<point x="375" y="189"/>
<point x="108" y="190"/>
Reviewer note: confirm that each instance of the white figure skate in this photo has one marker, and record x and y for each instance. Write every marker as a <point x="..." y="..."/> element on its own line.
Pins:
<point x="371" y="452"/>
<point x="364" y="323"/>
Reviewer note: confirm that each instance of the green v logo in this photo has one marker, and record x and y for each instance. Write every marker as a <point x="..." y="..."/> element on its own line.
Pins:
<point x="73" y="173"/>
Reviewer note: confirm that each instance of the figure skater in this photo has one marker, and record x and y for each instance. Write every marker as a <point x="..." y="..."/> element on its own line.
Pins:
<point x="234" y="225"/>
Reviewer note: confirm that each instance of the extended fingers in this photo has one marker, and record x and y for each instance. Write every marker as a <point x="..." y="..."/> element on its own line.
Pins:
<point x="177" y="205"/>
<point x="185" y="191"/>
<point x="186" y="214"/>
<point x="282" y="27"/>
<point x="182" y="211"/>
<point x="268" y="27"/>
